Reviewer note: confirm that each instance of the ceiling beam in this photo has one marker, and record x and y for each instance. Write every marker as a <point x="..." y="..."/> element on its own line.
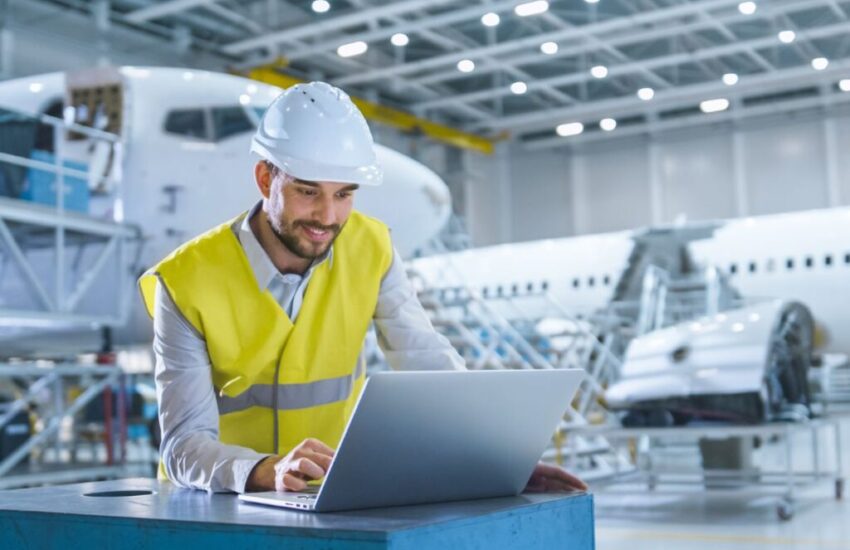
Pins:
<point x="684" y="96"/>
<point x="621" y="38"/>
<point x="332" y="24"/>
<point x="533" y="42"/>
<point x="643" y="65"/>
<point x="164" y="8"/>
<point x="697" y="120"/>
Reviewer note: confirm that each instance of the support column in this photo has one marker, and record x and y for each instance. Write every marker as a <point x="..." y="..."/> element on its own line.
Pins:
<point x="656" y="192"/>
<point x="742" y="205"/>
<point x="830" y="141"/>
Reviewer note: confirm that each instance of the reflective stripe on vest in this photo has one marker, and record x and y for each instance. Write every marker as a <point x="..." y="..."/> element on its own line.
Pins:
<point x="290" y="396"/>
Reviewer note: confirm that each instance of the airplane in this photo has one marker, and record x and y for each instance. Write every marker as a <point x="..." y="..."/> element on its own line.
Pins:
<point x="184" y="164"/>
<point x="184" y="136"/>
<point x="786" y="275"/>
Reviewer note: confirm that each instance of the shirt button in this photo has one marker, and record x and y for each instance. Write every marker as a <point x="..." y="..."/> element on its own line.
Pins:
<point x="291" y="279"/>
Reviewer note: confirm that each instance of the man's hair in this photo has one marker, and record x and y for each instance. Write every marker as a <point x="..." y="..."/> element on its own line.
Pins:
<point x="272" y="167"/>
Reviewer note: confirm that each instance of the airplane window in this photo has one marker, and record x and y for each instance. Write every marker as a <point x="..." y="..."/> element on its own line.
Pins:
<point x="789" y="263"/>
<point x="515" y="288"/>
<point x="770" y="266"/>
<point x="229" y="121"/>
<point x="187" y="122"/>
<point x="810" y="261"/>
<point x="827" y="261"/>
<point x="529" y="287"/>
<point x="576" y="283"/>
<point x="752" y="267"/>
<point x="591" y="281"/>
<point x="847" y="258"/>
<point x="733" y="269"/>
<point x="499" y="290"/>
<point x="485" y="291"/>
<point x="545" y="285"/>
<point x="606" y="280"/>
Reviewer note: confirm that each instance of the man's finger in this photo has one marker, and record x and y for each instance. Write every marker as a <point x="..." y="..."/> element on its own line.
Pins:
<point x="323" y="460"/>
<point x="292" y="483"/>
<point x="317" y="446"/>
<point x="308" y="468"/>
<point x="547" y="477"/>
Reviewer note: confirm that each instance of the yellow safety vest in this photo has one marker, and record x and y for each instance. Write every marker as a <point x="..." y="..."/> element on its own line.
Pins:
<point x="261" y="361"/>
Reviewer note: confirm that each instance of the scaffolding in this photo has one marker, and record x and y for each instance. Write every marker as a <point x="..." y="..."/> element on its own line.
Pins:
<point x="530" y="329"/>
<point x="65" y="267"/>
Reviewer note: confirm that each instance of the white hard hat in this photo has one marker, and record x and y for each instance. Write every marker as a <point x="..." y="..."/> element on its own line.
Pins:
<point x="314" y="132"/>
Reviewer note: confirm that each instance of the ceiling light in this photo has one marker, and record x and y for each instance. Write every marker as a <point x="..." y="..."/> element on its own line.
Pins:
<point x="747" y="8"/>
<point x="490" y="19"/>
<point x="844" y="85"/>
<point x="599" y="71"/>
<point x="646" y="93"/>
<point x="549" y="48"/>
<point x="608" y="124"/>
<point x="820" y="63"/>
<point x="36" y="87"/>
<point x="399" y="39"/>
<point x="730" y="79"/>
<point x="532" y="8"/>
<point x="465" y="65"/>
<point x="321" y="6"/>
<point x="519" y="87"/>
<point x="786" y="37"/>
<point x="352" y="48"/>
<point x="714" y="105"/>
<point x="591" y="1"/>
<point x="570" y="129"/>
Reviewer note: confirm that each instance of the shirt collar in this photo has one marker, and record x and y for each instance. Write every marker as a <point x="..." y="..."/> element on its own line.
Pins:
<point x="262" y="266"/>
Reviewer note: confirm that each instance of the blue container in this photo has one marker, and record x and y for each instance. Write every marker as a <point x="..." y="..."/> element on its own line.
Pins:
<point x="40" y="185"/>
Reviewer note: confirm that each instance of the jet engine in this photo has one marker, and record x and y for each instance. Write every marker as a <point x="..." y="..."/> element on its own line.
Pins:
<point x="742" y="365"/>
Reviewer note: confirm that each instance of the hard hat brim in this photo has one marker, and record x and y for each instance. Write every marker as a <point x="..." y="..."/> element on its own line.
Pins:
<point x="371" y="174"/>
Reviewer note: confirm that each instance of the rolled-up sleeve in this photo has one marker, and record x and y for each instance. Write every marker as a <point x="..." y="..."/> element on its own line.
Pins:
<point x="405" y="333"/>
<point x="190" y="450"/>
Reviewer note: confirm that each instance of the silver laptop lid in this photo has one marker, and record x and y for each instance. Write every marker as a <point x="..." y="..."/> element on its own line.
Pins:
<point x="434" y="436"/>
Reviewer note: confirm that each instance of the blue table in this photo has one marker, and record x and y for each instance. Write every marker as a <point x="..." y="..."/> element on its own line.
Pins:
<point x="144" y="513"/>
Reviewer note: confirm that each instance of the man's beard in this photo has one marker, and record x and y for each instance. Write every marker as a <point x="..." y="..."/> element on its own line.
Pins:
<point x="288" y="238"/>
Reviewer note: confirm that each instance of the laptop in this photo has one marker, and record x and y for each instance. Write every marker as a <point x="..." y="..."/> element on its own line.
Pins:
<point x="436" y="436"/>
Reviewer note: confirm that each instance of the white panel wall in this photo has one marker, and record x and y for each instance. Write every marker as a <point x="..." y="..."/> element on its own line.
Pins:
<point x="613" y="188"/>
<point x="783" y="164"/>
<point x="534" y="191"/>
<point x="785" y="168"/>
<point x="696" y="178"/>
<point x="488" y="197"/>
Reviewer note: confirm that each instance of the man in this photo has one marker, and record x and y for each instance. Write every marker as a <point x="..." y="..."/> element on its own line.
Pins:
<point x="259" y="323"/>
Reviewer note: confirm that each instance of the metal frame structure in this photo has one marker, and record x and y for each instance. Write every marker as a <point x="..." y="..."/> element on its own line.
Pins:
<point x="785" y="484"/>
<point x="52" y="378"/>
<point x="26" y="226"/>
<point x="680" y="48"/>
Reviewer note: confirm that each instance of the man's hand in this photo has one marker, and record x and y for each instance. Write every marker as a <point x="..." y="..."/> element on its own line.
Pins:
<point x="310" y="460"/>
<point x="547" y="478"/>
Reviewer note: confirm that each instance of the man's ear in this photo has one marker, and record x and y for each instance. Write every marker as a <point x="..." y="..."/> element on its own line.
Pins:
<point x="263" y="177"/>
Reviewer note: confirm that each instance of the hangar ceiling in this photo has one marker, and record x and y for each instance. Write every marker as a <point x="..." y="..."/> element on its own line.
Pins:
<point x="545" y="72"/>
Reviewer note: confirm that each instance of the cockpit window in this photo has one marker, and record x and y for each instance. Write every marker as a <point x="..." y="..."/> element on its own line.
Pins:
<point x="187" y="122"/>
<point x="229" y="121"/>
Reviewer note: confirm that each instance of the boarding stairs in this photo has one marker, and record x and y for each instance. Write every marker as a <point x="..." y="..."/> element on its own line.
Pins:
<point x="530" y="330"/>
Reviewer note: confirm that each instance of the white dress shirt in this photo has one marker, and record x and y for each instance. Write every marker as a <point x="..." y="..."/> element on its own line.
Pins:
<point x="191" y="452"/>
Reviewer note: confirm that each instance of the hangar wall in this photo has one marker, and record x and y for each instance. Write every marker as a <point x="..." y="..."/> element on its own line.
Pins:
<point x="781" y="164"/>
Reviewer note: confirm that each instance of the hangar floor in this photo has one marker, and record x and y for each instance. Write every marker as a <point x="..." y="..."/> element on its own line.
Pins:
<point x="648" y="522"/>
